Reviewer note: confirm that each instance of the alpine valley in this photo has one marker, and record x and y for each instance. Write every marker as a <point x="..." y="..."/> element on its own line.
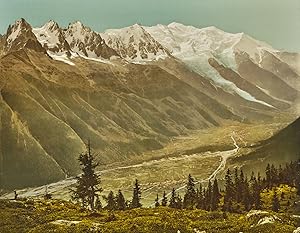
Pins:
<point x="157" y="103"/>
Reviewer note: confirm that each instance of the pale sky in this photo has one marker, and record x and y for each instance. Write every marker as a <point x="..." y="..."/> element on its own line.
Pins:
<point x="276" y="22"/>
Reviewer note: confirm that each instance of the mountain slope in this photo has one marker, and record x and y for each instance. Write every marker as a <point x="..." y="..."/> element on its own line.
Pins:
<point x="236" y="52"/>
<point x="284" y="146"/>
<point x="60" y="87"/>
<point x="281" y="148"/>
<point x="52" y="108"/>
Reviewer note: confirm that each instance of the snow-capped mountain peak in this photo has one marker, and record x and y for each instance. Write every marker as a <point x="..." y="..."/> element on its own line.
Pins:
<point x="19" y="35"/>
<point x="86" y="42"/>
<point x="15" y="30"/>
<point x="51" y="38"/>
<point x="134" y="43"/>
<point x="188" y="41"/>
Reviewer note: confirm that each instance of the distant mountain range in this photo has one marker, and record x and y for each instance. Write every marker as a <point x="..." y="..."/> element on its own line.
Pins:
<point x="129" y="90"/>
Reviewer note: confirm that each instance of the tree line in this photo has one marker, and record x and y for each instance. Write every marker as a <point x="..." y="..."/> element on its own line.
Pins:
<point x="240" y="193"/>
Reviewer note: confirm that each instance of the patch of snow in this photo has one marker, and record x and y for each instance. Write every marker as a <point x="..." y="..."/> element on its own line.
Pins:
<point x="97" y="59"/>
<point x="62" y="57"/>
<point x="47" y="34"/>
<point x="76" y="32"/>
<point x="269" y="94"/>
<point x="15" y="32"/>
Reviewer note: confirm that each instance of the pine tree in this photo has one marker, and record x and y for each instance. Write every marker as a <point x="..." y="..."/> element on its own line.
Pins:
<point x="111" y="201"/>
<point x="179" y="202"/>
<point x="268" y="176"/>
<point x="208" y="196"/>
<point x="189" y="199"/>
<point x="157" y="201"/>
<point x="255" y="188"/>
<point x="172" y="202"/>
<point x="200" y="198"/>
<point x="136" y="197"/>
<point x="246" y="197"/>
<point x="242" y="188"/>
<point x="229" y="192"/>
<point x="236" y="185"/>
<point x="175" y="200"/>
<point x="215" y="198"/>
<point x="274" y="175"/>
<point x="121" y="202"/>
<point x="275" y="202"/>
<point x="164" y="200"/>
<point x="87" y="187"/>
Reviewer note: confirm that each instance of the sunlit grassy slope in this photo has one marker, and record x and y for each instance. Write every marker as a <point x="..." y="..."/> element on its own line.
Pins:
<point x="62" y="217"/>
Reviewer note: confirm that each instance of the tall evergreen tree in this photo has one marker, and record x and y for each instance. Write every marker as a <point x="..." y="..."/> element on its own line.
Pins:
<point x="164" y="201"/>
<point x="207" y="197"/>
<point x="215" y="197"/>
<point x="236" y="185"/>
<point x="229" y="192"/>
<point x="121" y="202"/>
<point x="173" y="197"/>
<point x="268" y="176"/>
<point x="189" y="199"/>
<point x="111" y="201"/>
<point x="87" y="188"/>
<point x="200" y="198"/>
<point x="175" y="200"/>
<point x="179" y="202"/>
<point x="275" y="202"/>
<point x="274" y="175"/>
<point x="136" y="197"/>
<point x="246" y="197"/>
<point x="255" y="188"/>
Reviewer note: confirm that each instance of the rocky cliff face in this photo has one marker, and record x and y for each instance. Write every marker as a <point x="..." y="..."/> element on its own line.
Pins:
<point x="20" y="35"/>
<point x="86" y="42"/>
<point x="52" y="38"/>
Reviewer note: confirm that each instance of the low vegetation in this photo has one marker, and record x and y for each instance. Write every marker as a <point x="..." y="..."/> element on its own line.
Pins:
<point x="60" y="216"/>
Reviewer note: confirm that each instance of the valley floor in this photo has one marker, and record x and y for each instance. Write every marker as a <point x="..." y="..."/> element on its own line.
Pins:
<point x="203" y="154"/>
